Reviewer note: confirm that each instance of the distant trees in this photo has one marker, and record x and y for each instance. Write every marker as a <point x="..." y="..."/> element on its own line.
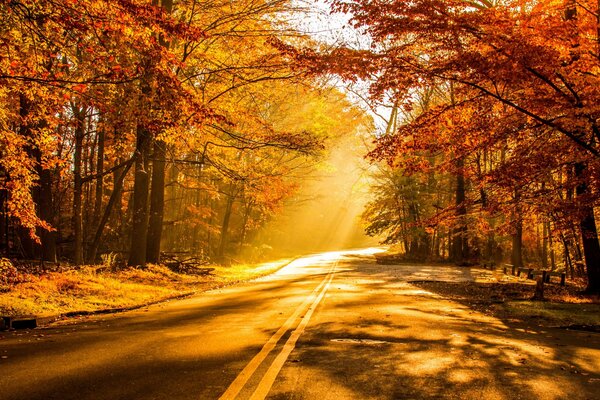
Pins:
<point x="120" y="118"/>
<point x="515" y="120"/>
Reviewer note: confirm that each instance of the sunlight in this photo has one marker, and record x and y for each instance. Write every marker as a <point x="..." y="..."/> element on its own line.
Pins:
<point x="368" y="251"/>
<point x="325" y="214"/>
<point x="316" y="199"/>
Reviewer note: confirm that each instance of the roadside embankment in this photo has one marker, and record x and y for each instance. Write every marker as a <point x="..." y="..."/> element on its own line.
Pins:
<point x="93" y="289"/>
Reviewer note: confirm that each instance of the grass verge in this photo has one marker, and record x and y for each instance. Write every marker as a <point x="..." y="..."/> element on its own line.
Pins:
<point x="555" y="314"/>
<point x="90" y="289"/>
<point x="512" y="301"/>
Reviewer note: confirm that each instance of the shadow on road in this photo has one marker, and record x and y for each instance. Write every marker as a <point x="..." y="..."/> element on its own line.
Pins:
<point x="380" y="337"/>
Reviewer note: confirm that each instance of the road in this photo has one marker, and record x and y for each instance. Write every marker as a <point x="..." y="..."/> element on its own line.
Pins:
<point x="328" y="326"/>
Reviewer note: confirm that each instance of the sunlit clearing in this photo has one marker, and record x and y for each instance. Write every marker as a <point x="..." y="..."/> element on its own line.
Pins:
<point x="325" y="214"/>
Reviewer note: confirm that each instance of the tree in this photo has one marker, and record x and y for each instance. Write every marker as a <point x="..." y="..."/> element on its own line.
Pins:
<point x="524" y="63"/>
<point x="120" y="117"/>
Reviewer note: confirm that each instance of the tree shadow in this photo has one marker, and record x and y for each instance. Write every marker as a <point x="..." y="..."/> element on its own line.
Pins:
<point x="402" y="342"/>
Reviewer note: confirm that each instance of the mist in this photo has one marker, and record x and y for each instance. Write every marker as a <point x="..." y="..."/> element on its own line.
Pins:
<point x="325" y="212"/>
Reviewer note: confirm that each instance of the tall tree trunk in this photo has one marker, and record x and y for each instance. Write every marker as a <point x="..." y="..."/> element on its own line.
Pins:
<point x="225" y="225"/>
<point x="544" y="254"/>
<point x="77" y="219"/>
<point x="4" y="220"/>
<point x="42" y="197"/>
<point x="551" y="246"/>
<point x="589" y="233"/>
<point x="138" y="254"/>
<point x="567" y="258"/>
<point x="121" y="217"/>
<point x="157" y="202"/>
<point x="459" y="243"/>
<point x="517" y="236"/>
<point x="98" y="192"/>
<point x="247" y="212"/>
<point x="89" y="165"/>
<point x="46" y="211"/>
<point x="139" y="228"/>
<point x="172" y="210"/>
<point x="115" y="197"/>
<point x="517" y="245"/>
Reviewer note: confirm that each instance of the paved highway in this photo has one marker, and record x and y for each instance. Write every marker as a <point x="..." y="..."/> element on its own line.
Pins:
<point x="328" y="326"/>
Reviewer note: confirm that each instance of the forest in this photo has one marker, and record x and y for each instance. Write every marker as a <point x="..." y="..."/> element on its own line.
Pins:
<point x="491" y="148"/>
<point x="135" y="128"/>
<point x="144" y="128"/>
<point x="299" y="199"/>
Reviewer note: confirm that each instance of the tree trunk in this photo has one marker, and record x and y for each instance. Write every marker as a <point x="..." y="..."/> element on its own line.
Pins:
<point x="567" y="258"/>
<point x="157" y="202"/>
<point x="115" y="196"/>
<point x="551" y="246"/>
<point x="4" y="221"/>
<point x="544" y="245"/>
<point x="119" y="220"/>
<point x="172" y="210"/>
<point x="589" y="234"/>
<point x="42" y="197"/>
<point x="225" y="225"/>
<point x="247" y="211"/>
<point x="459" y="243"/>
<point x="77" y="219"/>
<point x="517" y="236"/>
<point x="46" y="211"/>
<point x="517" y="244"/>
<point x="100" y="181"/>
<point x="139" y="228"/>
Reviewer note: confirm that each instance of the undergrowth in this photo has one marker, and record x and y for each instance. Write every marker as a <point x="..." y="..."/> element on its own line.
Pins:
<point x="93" y="288"/>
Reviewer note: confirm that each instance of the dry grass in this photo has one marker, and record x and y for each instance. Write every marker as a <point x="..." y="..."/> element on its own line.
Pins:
<point x="91" y="288"/>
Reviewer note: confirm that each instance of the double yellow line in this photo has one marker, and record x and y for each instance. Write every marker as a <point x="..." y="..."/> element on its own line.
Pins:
<point x="268" y="378"/>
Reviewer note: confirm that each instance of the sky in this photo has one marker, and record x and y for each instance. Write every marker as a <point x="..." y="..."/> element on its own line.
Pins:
<point x="335" y="30"/>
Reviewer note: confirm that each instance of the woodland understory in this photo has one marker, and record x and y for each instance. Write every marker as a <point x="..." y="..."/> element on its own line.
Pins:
<point x="180" y="128"/>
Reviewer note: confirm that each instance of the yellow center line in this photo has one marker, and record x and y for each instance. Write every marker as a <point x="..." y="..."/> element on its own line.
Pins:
<point x="243" y="377"/>
<point x="263" y="388"/>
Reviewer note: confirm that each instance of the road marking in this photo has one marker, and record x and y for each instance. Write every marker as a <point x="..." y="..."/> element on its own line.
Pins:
<point x="263" y="388"/>
<point x="243" y="377"/>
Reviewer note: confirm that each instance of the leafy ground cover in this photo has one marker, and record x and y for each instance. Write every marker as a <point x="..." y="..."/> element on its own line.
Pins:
<point x="511" y="298"/>
<point x="512" y="301"/>
<point x="93" y="288"/>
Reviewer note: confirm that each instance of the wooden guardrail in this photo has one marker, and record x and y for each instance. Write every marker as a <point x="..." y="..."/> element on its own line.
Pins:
<point x="532" y="273"/>
<point x="561" y="275"/>
<point x="489" y="265"/>
<point x="507" y="267"/>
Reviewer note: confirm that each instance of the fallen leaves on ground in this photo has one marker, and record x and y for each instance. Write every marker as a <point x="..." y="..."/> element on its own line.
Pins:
<point x="93" y="288"/>
<point x="563" y="306"/>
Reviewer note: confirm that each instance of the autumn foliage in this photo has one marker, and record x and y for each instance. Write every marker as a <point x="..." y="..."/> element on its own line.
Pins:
<point x="496" y="100"/>
<point x="136" y="127"/>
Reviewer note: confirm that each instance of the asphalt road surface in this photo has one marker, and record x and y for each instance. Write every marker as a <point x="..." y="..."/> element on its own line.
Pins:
<point x="328" y="326"/>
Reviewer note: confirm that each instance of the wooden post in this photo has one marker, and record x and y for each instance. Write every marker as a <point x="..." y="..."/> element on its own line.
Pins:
<point x="562" y="279"/>
<point x="539" y="287"/>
